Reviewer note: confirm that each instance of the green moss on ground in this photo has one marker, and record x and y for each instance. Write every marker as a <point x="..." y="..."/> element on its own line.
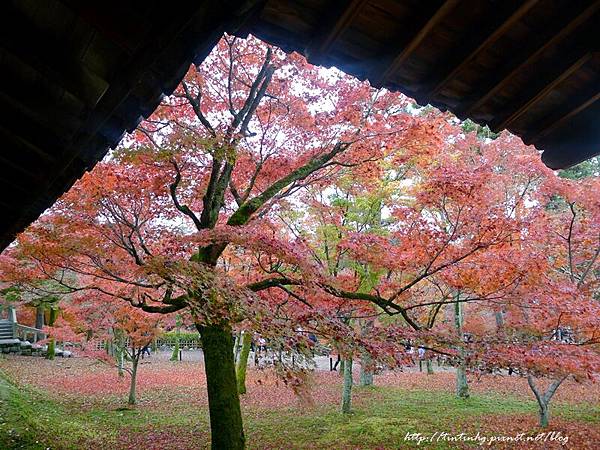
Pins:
<point x="28" y="420"/>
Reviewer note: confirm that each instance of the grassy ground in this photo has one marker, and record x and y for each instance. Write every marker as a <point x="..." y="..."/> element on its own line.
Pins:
<point x="383" y="415"/>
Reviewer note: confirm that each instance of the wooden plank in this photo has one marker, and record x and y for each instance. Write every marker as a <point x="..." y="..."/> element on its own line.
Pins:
<point x="417" y="39"/>
<point x="554" y="80"/>
<point x="552" y="125"/>
<point x="511" y="20"/>
<point x="331" y="30"/>
<point x="509" y="70"/>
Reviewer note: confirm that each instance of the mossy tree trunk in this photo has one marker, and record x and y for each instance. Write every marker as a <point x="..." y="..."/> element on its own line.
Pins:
<point x="175" y="352"/>
<point x="135" y="359"/>
<point x="121" y="362"/>
<point x="462" y="386"/>
<point x="347" y="391"/>
<point x="51" y="352"/>
<point x="223" y="399"/>
<point x="242" y="361"/>
<point x="236" y="346"/>
<point x="39" y="316"/>
<point x="366" y="371"/>
<point x="429" y="366"/>
<point x="118" y="343"/>
<point x="341" y="367"/>
<point x="366" y="361"/>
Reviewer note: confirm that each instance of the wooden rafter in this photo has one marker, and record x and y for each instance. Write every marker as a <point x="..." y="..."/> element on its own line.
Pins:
<point x="23" y="143"/>
<point x="418" y="38"/>
<point x="6" y="207"/>
<point x="510" y="70"/>
<point x="111" y="21"/>
<point x="552" y="83"/>
<point x="556" y="122"/>
<point x="64" y="122"/>
<point x="15" y="181"/>
<point x="21" y="170"/>
<point x="81" y="82"/>
<point x="333" y="29"/>
<point x="478" y="48"/>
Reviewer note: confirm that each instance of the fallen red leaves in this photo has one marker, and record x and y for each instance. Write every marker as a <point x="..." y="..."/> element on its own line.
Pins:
<point x="163" y="384"/>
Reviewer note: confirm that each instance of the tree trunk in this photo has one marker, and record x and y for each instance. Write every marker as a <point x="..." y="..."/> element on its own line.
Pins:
<point x="51" y="349"/>
<point x="366" y="372"/>
<point x="341" y="366"/>
<point x="366" y="361"/>
<point x="499" y="320"/>
<point x="544" y="399"/>
<point x="226" y="427"/>
<point x="347" y="392"/>
<point x="242" y="361"/>
<point x="544" y="416"/>
<point x="39" y="317"/>
<point x="429" y="367"/>
<point x="236" y="346"/>
<point x="175" y="352"/>
<point x="121" y="362"/>
<point x="134" y="367"/>
<point x="462" y="386"/>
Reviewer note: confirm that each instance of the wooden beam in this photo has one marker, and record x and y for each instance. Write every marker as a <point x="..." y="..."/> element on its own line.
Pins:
<point x="417" y="39"/>
<point x="556" y="122"/>
<point x="6" y="207"/>
<point x="24" y="144"/>
<point x="505" y="74"/>
<point x="15" y="182"/>
<point x="22" y="169"/>
<point x="331" y="30"/>
<point x="478" y="48"/>
<point x="56" y="56"/>
<point x="59" y="123"/>
<point x="23" y="157"/>
<point x="112" y="19"/>
<point x="82" y="83"/>
<point x="555" y="79"/>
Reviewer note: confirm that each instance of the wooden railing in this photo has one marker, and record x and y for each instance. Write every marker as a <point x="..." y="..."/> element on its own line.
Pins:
<point x="161" y="344"/>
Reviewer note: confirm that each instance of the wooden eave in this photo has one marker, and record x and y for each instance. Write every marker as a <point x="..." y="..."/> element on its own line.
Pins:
<point x="77" y="74"/>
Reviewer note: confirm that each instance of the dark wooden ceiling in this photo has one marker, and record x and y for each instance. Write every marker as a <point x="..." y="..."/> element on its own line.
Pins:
<point x="78" y="74"/>
<point x="532" y="67"/>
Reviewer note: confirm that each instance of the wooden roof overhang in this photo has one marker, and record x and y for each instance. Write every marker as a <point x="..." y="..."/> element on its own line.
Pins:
<point x="79" y="74"/>
<point x="529" y="66"/>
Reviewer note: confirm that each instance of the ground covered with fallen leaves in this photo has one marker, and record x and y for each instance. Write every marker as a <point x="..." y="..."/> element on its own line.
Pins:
<point x="79" y="403"/>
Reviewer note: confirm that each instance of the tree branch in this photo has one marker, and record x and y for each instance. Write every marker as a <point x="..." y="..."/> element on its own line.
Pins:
<point x="182" y="208"/>
<point x="244" y="212"/>
<point x="195" y="103"/>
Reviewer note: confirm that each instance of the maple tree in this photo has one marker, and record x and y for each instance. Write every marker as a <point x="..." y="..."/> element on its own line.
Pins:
<point x="139" y="331"/>
<point x="246" y="130"/>
<point x="274" y="197"/>
<point x="569" y="324"/>
<point x="471" y="230"/>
